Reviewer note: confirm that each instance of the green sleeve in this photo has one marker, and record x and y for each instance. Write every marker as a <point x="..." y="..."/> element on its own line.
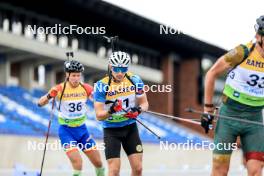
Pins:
<point x="236" y="55"/>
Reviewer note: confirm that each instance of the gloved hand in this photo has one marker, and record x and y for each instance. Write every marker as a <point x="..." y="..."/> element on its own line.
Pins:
<point x="207" y="122"/>
<point x="53" y="93"/>
<point x="133" y="112"/>
<point x="116" y="107"/>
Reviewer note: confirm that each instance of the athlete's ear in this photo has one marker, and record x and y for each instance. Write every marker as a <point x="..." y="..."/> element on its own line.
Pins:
<point x="258" y="37"/>
<point x="67" y="75"/>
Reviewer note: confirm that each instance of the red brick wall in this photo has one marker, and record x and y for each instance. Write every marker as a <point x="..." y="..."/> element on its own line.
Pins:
<point x="188" y="90"/>
<point x="163" y="102"/>
<point x="188" y="85"/>
<point x="184" y="77"/>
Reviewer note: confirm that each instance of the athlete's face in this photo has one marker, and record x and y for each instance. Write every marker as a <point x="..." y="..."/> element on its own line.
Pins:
<point x="259" y="38"/>
<point x="262" y="41"/>
<point x="74" y="78"/>
<point x="119" y="73"/>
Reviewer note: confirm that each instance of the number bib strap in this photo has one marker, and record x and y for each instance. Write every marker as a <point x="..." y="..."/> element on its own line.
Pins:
<point x="72" y="122"/>
<point x="242" y="97"/>
<point x="117" y="118"/>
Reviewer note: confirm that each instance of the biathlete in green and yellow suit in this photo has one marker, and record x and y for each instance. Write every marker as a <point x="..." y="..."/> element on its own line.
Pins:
<point x="243" y="98"/>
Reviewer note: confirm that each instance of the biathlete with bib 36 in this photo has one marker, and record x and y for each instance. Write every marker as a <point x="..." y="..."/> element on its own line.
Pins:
<point x="73" y="133"/>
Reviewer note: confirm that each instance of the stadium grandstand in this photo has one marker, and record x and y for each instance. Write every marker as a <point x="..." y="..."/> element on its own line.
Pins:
<point x="31" y="63"/>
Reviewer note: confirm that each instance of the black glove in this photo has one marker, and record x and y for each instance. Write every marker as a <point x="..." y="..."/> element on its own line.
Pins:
<point x="207" y="122"/>
<point x="133" y="112"/>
